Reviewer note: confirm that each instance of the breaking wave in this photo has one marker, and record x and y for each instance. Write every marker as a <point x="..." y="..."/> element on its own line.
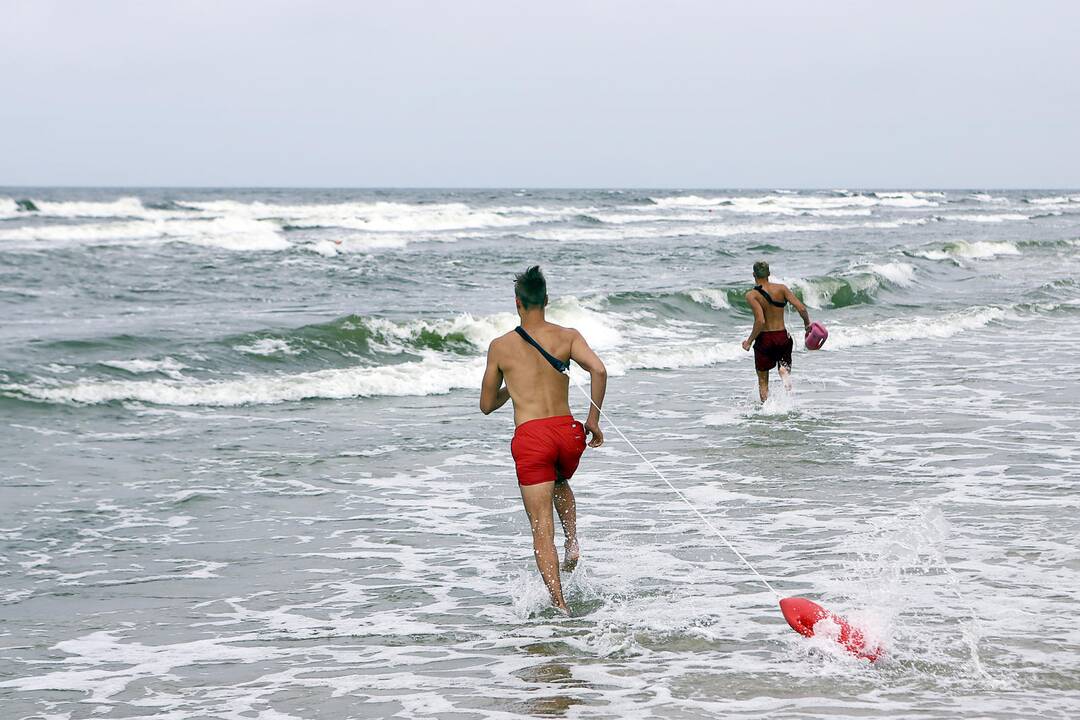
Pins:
<point x="963" y="250"/>
<point x="433" y="371"/>
<point x="914" y="328"/>
<point x="223" y="233"/>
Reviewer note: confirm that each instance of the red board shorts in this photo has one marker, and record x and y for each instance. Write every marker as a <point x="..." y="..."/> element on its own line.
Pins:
<point x="547" y="449"/>
<point x="772" y="347"/>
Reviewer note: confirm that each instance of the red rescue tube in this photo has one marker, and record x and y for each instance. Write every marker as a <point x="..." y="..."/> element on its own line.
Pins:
<point x="802" y="615"/>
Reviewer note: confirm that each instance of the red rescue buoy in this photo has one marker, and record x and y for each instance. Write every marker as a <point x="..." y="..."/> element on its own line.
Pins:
<point x="802" y="615"/>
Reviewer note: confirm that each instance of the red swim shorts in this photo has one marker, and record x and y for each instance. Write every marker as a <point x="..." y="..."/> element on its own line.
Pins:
<point x="547" y="449"/>
<point x="772" y="347"/>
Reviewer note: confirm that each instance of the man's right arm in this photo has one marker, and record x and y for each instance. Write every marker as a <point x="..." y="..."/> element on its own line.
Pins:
<point x="759" y="320"/>
<point x="583" y="355"/>
<point x="493" y="394"/>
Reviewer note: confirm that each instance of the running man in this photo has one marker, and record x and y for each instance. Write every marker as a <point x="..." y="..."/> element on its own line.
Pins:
<point x="548" y="442"/>
<point x="772" y="344"/>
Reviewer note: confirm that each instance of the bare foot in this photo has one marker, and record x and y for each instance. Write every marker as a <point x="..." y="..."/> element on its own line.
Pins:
<point x="562" y="610"/>
<point x="571" y="556"/>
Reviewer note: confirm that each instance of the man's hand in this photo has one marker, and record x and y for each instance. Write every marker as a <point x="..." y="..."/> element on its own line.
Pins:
<point x="593" y="428"/>
<point x="746" y="345"/>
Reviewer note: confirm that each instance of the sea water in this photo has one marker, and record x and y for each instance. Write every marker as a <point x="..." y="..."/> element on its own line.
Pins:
<point x="245" y="476"/>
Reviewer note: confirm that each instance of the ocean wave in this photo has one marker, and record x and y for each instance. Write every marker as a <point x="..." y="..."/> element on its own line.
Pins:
<point x="429" y="376"/>
<point x="788" y="204"/>
<point x="125" y="207"/>
<point x="375" y="216"/>
<point x="985" y="218"/>
<point x="897" y="273"/>
<point x="917" y="198"/>
<point x="673" y="356"/>
<point x="165" y="366"/>
<point x="355" y="336"/>
<point x="988" y="198"/>
<point x="586" y="219"/>
<point x="963" y="250"/>
<point x="1053" y="200"/>
<point x="836" y="292"/>
<point x="365" y="217"/>
<point x="223" y="233"/>
<point x="267" y="347"/>
<point x="715" y="298"/>
<point x="894" y="330"/>
<point x="714" y="229"/>
<point x="440" y="372"/>
<point x="857" y="286"/>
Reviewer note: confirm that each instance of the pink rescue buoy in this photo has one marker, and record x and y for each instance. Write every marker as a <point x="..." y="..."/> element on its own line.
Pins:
<point x="816" y="336"/>
<point x="802" y="615"/>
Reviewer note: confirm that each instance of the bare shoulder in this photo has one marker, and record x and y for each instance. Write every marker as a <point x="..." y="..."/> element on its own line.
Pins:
<point x="496" y="346"/>
<point x="569" y="334"/>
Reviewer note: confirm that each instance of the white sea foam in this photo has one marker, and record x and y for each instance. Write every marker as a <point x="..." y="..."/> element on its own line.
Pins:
<point x="602" y="329"/>
<point x="914" y="328"/>
<point x="1054" y="200"/>
<point x="789" y="204"/>
<point x="267" y="347"/>
<point x="104" y="665"/>
<point x="897" y="273"/>
<point x="918" y="198"/>
<point x="326" y="248"/>
<point x="224" y="233"/>
<point x="713" y="229"/>
<point x="663" y="357"/>
<point x="713" y="297"/>
<point x="371" y="216"/>
<point x="166" y="366"/>
<point x="963" y="250"/>
<point x="988" y="198"/>
<point x="126" y="207"/>
<point x="987" y="218"/>
<point x="649" y="348"/>
<point x="430" y="376"/>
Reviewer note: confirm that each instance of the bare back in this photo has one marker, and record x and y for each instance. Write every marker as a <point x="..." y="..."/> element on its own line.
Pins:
<point x="536" y="388"/>
<point x="773" y="315"/>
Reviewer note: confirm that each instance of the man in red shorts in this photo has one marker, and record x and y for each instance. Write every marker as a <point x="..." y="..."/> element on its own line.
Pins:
<point x="772" y="344"/>
<point x="548" y="442"/>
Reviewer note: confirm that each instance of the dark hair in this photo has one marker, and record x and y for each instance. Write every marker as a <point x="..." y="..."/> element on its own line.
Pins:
<point x="761" y="269"/>
<point x="530" y="287"/>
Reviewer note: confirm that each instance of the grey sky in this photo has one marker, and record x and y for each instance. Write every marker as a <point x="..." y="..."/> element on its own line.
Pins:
<point x="502" y="93"/>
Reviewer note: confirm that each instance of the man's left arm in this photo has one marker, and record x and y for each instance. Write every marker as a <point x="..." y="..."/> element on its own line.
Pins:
<point x="799" y="307"/>
<point x="493" y="394"/>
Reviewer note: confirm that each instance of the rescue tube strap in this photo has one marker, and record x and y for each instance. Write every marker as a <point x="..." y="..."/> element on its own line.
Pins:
<point x="769" y="297"/>
<point x="675" y="490"/>
<point x="554" y="361"/>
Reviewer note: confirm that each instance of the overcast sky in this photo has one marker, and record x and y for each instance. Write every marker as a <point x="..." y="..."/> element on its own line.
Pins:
<point x="542" y="94"/>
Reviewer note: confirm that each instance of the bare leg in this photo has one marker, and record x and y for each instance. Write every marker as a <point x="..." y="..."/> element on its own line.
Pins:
<point x="763" y="384"/>
<point x="538" y="500"/>
<point x="566" y="507"/>
<point x="785" y="375"/>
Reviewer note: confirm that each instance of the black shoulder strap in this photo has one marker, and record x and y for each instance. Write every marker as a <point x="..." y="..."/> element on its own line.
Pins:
<point x="769" y="297"/>
<point x="555" y="362"/>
